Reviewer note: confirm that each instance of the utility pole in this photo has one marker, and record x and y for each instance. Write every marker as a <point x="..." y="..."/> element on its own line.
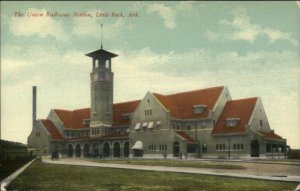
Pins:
<point x="229" y="148"/>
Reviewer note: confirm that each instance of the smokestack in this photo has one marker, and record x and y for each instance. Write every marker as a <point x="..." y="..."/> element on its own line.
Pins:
<point x="33" y="105"/>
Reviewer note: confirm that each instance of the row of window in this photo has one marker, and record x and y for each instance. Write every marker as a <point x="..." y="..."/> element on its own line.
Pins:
<point x="236" y="147"/>
<point x="188" y="126"/>
<point x="77" y="134"/>
<point x="160" y="147"/>
<point x="148" y="112"/>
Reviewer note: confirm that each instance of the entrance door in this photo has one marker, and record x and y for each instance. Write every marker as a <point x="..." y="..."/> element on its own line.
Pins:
<point x="106" y="150"/>
<point x="175" y="149"/>
<point x="70" y="151"/>
<point x="126" y="149"/>
<point x="254" y="148"/>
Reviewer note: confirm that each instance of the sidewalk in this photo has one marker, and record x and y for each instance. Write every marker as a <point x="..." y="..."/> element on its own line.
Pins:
<point x="205" y="171"/>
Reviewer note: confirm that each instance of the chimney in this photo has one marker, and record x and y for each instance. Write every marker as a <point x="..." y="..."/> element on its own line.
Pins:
<point x="33" y="105"/>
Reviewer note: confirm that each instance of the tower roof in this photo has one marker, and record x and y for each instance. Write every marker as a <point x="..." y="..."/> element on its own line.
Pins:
<point x="101" y="54"/>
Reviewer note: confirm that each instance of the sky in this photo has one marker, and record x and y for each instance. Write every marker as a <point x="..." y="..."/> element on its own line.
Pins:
<point x="164" y="47"/>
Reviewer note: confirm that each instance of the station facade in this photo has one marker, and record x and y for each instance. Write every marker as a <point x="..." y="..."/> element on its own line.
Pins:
<point x="203" y="123"/>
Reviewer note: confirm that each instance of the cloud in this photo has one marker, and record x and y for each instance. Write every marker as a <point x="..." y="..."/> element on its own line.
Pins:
<point x="40" y="26"/>
<point x="241" y="28"/>
<point x="275" y="35"/>
<point x="298" y="3"/>
<point x="166" y="13"/>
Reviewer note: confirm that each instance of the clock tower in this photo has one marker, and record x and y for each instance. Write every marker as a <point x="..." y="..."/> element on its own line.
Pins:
<point x="102" y="78"/>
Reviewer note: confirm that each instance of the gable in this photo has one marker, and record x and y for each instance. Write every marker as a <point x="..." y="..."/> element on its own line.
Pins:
<point x="235" y="109"/>
<point x="51" y="129"/>
<point x="181" y="105"/>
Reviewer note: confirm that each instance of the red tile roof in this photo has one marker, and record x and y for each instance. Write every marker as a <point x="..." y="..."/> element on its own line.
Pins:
<point x="241" y="109"/>
<point x="270" y="135"/>
<point x="181" y="105"/>
<point x="74" y="119"/>
<point x="52" y="129"/>
<point x="185" y="136"/>
<point x="123" y="108"/>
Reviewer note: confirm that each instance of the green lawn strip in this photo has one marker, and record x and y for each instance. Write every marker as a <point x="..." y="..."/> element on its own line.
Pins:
<point x="284" y="162"/>
<point x="195" y="164"/>
<point x="8" y="166"/>
<point x="43" y="176"/>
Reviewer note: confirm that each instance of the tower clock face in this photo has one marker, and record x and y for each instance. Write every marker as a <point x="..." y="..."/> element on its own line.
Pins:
<point x="95" y="76"/>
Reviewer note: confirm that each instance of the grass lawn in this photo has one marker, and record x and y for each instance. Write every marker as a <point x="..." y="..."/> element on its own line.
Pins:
<point x="42" y="176"/>
<point x="175" y="163"/>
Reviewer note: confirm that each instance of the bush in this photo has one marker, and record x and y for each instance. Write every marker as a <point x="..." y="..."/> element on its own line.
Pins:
<point x="293" y="154"/>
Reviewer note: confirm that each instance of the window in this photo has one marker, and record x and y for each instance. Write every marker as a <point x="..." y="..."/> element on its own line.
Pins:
<point x="107" y="64"/>
<point x="260" y="123"/>
<point x="148" y="112"/>
<point x="232" y="122"/>
<point x="126" y="116"/>
<point x="38" y="134"/>
<point x="217" y="147"/>
<point x="223" y="146"/>
<point x="188" y="127"/>
<point x="238" y="146"/>
<point x="158" y="124"/>
<point x="203" y="124"/>
<point x="174" y="126"/>
<point x="234" y="146"/>
<point x="242" y="146"/>
<point x="204" y="148"/>
<point x="86" y="122"/>
<point x="199" y="109"/>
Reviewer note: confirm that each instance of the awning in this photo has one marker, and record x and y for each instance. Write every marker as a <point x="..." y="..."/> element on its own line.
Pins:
<point x="145" y="124"/>
<point x="138" y="145"/>
<point x="150" y="125"/>
<point x="137" y="126"/>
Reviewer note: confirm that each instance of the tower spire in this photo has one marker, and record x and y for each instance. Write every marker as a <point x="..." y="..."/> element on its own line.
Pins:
<point x="101" y="37"/>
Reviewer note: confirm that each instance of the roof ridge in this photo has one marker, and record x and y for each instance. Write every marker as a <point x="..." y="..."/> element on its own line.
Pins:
<point x="243" y="99"/>
<point x="127" y="102"/>
<point x="191" y="91"/>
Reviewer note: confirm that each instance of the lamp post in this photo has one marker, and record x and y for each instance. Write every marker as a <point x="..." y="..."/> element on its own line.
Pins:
<point x="229" y="148"/>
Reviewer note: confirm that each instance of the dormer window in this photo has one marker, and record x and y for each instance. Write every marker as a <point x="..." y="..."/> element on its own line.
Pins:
<point x="126" y="116"/>
<point x="86" y="121"/>
<point x="199" y="109"/>
<point x="232" y="122"/>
